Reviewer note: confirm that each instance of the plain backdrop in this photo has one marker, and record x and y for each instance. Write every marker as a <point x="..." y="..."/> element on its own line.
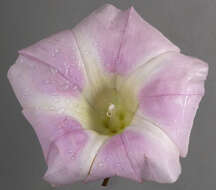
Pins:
<point x="191" y="24"/>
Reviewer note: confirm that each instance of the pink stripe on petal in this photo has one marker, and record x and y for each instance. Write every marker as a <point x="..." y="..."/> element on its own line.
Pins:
<point x="65" y="165"/>
<point x="153" y="156"/>
<point x="173" y="114"/>
<point x="102" y="30"/>
<point x="33" y="82"/>
<point x="171" y="95"/>
<point x="61" y="53"/>
<point x="179" y="74"/>
<point x="112" y="160"/>
<point x="49" y="126"/>
<point x="140" y="43"/>
<point x="69" y="150"/>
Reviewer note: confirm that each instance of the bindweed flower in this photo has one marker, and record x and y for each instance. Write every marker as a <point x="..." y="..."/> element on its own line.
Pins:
<point x="111" y="97"/>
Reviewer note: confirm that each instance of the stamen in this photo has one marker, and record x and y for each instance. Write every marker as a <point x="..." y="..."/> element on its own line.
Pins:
<point x="110" y="114"/>
<point x="110" y="108"/>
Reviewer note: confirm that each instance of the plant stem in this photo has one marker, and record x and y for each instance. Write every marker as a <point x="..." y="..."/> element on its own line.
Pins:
<point x="105" y="182"/>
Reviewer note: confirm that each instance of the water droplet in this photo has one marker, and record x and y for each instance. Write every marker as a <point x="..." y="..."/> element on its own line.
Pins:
<point x="75" y="87"/>
<point x="61" y="110"/>
<point x="26" y="92"/>
<point x="65" y="87"/>
<point x="32" y="65"/>
<point x="52" y="107"/>
<point x="66" y="67"/>
<point x="67" y="101"/>
<point x="47" y="82"/>
<point x="66" y="81"/>
<point x="54" y="94"/>
<point x="100" y="164"/>
<point x="54" y="71"/>
<point x="56" y="100"/>
<point x="52" y="54"/>
<point x="73" y="156"/>
<point x="56" y="50"/>
<point x="60" y="127"/>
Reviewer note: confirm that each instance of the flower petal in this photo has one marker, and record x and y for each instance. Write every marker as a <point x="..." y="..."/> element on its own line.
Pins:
<point x="173" y="114"/>
<point x="141" y="152"/>
<point x="69" y="150"/>
<point x="152" y="154"/>
<point x="60" y="51"/>
<point x="169" y="89"/>
<point x="109" y="42"/>
<point x="140" y="43"/>
<point x="39" y="86"/>
<point x="99" y="37"/>
<point x="112" y="160"/>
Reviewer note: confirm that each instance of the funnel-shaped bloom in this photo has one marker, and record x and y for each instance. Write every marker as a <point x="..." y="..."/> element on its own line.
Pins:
<point x="110" y="97"/>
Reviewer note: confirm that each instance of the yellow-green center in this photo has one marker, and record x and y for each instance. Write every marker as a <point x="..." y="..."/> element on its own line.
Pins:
<point x="111" y="113"/>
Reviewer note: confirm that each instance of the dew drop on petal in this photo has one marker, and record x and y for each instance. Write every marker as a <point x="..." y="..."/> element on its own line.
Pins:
<point x="74" y="87"/>
<point x="32" y="65"/>
<point x="47" y="82"/>
<point x="65" y="87"/>
<point x="66" y="68"/>
<point x="61" y="110"/>
<point x="51" y="107"/>
<point x="56" y="50"/>
<point x="73" y="157"/>
<point x="54" y="71"/>
<point x="54" y="94"/>
<point x="67" y="101"/>
<point x="100" y="164"/>
<point x="118" y="165"/>
<point x="52" y="54"/>
<point x="55" y="100"/>
<point x="26" y="92"/>
<point x="72" y="154"/>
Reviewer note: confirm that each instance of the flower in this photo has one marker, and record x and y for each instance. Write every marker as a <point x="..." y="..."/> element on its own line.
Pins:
<point x="110" y="97"/>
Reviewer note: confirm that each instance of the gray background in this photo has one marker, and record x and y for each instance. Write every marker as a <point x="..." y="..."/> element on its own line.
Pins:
<point x="191" y="24"/>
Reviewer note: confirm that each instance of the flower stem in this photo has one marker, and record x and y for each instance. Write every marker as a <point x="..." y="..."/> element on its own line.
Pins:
<point x="105" y="182"/>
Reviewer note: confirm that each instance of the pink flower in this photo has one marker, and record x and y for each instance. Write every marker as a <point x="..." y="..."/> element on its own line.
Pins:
<point x="110" y="97"/>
